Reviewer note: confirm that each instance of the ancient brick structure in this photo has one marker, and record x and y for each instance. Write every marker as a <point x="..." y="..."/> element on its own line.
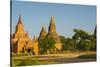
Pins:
<point x="53" y="34"/>
<point x="21" y="43"/>
<point x="21" y="40"/>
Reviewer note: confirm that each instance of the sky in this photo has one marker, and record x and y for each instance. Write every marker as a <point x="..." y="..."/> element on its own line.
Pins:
<point x="67" y="17"/>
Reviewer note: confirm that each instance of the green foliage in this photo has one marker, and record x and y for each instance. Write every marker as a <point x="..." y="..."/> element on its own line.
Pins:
<point x="46" y="44"/>
<point x="84" y="40"/>
<point x="81" y="40"/>
<point x="93" y="41"/>
<point x="64" y="42"/>
<point x="68" y="44"/>
<point x="84" y="45"/>
<point x="80" y="34"/>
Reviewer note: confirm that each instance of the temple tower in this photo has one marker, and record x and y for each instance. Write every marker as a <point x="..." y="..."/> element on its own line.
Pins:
<point x="43" y="33"/>
<point x="19" y="27"/>
<point x="53" y="34"/>
<point x="19" y="37"/>
<point x="52" y="28"/>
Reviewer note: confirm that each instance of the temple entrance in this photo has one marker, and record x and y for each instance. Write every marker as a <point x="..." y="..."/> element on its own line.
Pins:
<point x="30" y="52"/>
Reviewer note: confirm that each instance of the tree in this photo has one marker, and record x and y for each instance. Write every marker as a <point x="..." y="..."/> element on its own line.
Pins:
<point x="80" y="34"/>
<point x="46" y="45"/>
<point x="92" y="38"/>
<point x="64" y="42"/>
<point x="68" y="44"/>
<point x="82" y="39"/>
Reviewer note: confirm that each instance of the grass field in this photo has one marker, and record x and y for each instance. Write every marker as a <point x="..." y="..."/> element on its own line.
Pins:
<point x="67" y="57"/>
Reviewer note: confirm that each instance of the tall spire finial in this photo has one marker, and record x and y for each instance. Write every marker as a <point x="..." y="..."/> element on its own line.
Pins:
<point x="52" y="21"/>
<point x="20" y="20"/>
<point x="19" y="26"/>
<point x="52" y="26"/>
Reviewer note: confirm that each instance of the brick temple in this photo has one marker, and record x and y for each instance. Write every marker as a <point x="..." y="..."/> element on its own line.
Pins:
<point x="22" y="43"/>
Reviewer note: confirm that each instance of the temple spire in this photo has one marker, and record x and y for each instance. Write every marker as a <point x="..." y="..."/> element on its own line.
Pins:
<point x="20" y="27"/>
<point x="52" y="22"/>
<point x="52" y="27"/>
<point x="20" y="20"/>
<point x="43" y="32"/>
<point x="53" y="34"/>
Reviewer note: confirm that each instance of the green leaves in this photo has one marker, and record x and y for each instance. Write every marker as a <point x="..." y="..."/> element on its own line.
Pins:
<point x="80" y="34"/>
<point x="84" y="40"/>
<point x="46" y="44"/>
<point x="81" y="40"/>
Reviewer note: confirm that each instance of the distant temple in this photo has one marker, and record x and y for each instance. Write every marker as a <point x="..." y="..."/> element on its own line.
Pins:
<point x="21" y="43"/>
<point x="53" y="34"/>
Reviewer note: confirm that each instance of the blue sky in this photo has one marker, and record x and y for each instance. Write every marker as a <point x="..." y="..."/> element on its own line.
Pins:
<point x="67" y="17"/>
